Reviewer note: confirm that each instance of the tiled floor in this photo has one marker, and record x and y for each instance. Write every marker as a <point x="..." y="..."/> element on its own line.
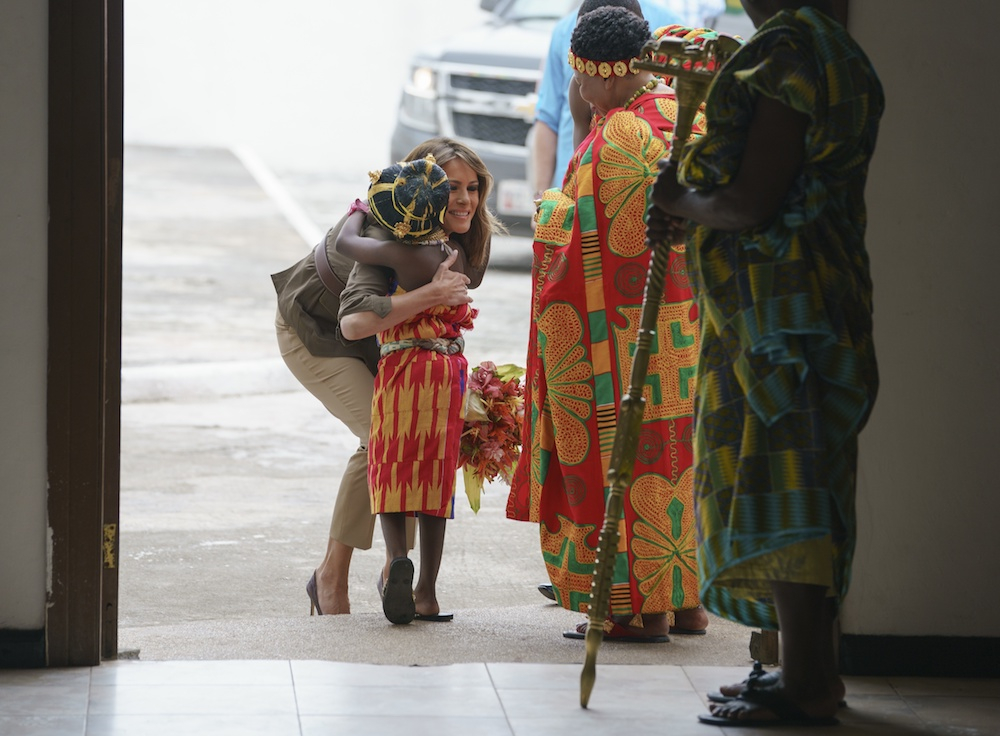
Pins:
<point x="309" y="698"/>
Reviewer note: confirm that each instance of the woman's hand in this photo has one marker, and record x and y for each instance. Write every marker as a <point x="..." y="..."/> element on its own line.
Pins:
<point x="452" y="287"/>
<point x="663" y="229"/>
<point x="662" y="226"/>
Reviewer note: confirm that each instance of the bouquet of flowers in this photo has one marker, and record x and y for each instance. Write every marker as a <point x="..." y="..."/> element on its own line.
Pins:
<point x="491" y="441"/>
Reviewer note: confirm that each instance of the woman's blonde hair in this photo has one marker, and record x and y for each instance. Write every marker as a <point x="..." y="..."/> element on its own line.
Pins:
<point x="476" y="242"/>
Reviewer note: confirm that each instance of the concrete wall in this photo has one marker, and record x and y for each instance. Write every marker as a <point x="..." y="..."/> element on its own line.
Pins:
<point x="928" y="503"/>
<point x="23" y="284"/>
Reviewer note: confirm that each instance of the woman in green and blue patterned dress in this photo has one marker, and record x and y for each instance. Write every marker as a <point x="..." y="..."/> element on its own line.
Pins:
<point x="773" y="199"/>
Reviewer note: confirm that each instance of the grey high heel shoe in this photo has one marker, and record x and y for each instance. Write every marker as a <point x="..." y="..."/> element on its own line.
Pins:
<point x="313" y="596"/>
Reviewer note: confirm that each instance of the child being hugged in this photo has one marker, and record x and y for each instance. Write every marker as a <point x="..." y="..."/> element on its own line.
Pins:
<point x="417" y="412"/>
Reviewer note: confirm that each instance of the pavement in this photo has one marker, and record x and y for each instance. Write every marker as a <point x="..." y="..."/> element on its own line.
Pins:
<point x="229" y="467"/>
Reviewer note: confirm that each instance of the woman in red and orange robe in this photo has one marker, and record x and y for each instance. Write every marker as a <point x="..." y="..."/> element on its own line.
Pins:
<point x="589" y="273"/>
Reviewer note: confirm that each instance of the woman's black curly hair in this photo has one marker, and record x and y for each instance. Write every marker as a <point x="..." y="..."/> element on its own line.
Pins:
<point x="609" y="34"/>
<point x="587" y="5"/>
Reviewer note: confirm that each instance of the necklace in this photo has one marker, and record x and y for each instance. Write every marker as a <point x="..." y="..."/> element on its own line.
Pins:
<point x="647" y="87"/>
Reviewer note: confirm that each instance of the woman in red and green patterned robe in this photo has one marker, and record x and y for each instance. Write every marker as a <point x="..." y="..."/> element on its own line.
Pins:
<point x="773" y="198"/>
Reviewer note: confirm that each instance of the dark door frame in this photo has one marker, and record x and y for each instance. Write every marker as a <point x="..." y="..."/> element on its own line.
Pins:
<point x="84" y="328"/>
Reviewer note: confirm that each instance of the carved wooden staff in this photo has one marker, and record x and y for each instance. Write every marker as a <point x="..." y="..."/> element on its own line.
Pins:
<point x="693" y="67"/>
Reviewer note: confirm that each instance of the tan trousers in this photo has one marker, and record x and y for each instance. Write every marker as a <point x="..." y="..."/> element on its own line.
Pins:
<point x="345" y="387"/>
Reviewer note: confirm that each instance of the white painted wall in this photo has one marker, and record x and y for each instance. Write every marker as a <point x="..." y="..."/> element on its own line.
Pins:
<point x="278" y="78"/>
<point x="928" y="557"/>
<point x="23" y="284"/>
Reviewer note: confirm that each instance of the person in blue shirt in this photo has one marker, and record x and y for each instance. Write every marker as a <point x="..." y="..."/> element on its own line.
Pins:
<point x="552" y="146"/>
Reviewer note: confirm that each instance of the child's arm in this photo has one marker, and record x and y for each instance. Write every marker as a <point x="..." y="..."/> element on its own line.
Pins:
<point x="414" y="265"/>
<point x="362" y="249"/>
<point x="358" y="320"/>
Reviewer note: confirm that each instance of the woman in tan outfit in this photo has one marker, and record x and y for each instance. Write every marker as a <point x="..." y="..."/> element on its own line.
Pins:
<point x="341" y="376"/>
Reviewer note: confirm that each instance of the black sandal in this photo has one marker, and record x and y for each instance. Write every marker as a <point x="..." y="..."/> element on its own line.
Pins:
<point x="758" y="677"/>
<point x="773" y="699"/>
<point x="397" y="592"/>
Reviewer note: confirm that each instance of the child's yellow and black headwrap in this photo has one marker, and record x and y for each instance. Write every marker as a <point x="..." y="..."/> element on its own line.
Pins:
<point x="410" y="198"/>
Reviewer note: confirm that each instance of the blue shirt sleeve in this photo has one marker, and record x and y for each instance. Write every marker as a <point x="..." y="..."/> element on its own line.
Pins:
<point x="555" y="75"/>
<point x="658" y="15"/>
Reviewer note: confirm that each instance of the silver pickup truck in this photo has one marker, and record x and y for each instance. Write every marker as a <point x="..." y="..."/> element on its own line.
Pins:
<point x="480" y="88"/>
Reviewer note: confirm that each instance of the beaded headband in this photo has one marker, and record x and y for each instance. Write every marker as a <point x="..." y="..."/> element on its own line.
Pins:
<point x="602" y="68"/>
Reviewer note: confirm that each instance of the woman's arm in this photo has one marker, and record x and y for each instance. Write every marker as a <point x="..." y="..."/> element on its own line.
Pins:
<point x="582" y="114"/>
<point x="447" y="287"/>
<point x="772" y="159"/>
<point x="543" y="156"/>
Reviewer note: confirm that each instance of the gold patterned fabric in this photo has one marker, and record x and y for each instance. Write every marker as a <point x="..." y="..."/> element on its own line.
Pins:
<point x="589" y="274"/>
